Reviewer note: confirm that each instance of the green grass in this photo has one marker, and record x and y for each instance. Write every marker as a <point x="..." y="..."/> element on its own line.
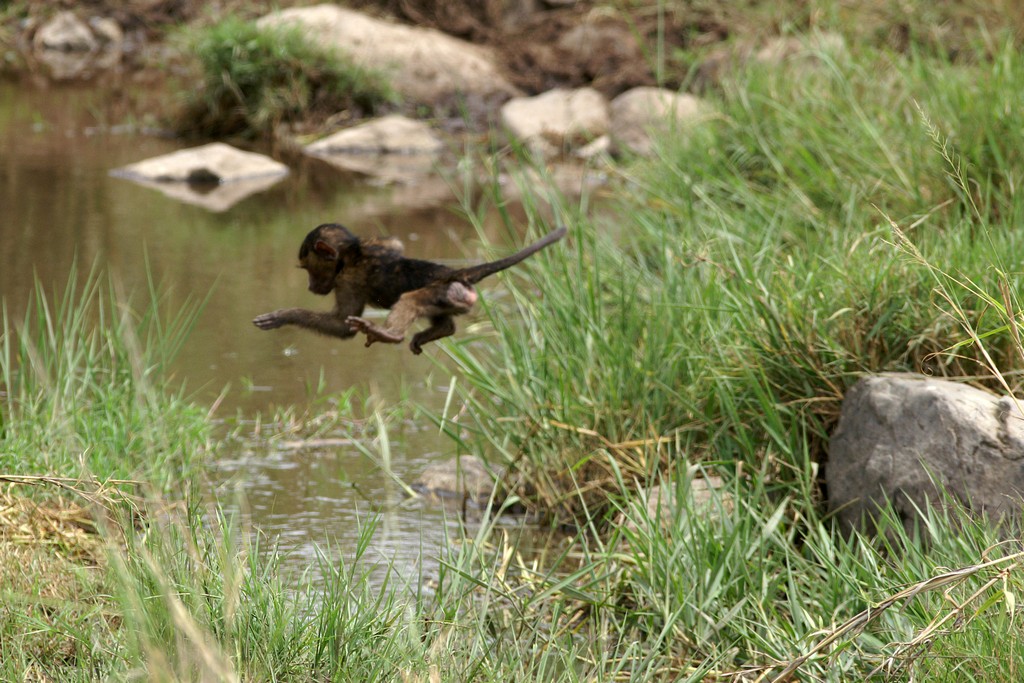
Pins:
<point x="252" y="80"/>
<point x="754" y="265"/>
<point x="84" y="389"/>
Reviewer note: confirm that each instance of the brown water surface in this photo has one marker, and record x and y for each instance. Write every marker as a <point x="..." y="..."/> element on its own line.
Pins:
<point x="59" y="205"/>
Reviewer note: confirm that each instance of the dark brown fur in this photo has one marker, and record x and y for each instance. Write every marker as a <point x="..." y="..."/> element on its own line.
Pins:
<point x="373" y="272"/>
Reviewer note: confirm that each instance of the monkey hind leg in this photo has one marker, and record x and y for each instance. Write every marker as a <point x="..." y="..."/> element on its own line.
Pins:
<point x="440" y="326"/>
<point x="373" y="332"/>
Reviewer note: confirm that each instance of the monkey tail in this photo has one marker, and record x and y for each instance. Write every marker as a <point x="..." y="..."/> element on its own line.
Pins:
<point x="474" y="274"/>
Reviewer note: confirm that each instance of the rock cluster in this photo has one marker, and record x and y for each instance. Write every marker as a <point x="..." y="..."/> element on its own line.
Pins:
<point x="72" y="49"/>
<point x="431" y="69"/>
<point x="582" y="120"/>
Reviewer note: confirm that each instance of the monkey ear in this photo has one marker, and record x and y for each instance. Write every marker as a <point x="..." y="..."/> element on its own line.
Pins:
<point x="324" y="249"/>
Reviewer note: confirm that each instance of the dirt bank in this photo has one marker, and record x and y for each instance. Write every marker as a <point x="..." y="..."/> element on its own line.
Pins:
<point x="611" y="45"/>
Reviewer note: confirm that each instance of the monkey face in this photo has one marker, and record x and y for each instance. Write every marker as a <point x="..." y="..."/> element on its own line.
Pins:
<point x="320" y="287"/>
<point x="321" y="266"/>
<point x="320" y="255"/>
<point x="321" y="274"/>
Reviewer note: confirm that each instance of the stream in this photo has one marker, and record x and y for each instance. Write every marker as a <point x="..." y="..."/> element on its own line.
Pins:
<point x="60" y="207"/>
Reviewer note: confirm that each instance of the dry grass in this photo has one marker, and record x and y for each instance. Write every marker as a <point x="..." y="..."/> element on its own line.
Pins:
<point x="52" y="569"/>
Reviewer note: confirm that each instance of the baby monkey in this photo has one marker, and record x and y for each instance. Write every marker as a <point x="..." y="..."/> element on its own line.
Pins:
<point x="364" y="272"/>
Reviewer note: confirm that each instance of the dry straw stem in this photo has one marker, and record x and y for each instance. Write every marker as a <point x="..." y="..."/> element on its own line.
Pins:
<point x="625" y="450"/>
<point x="903" y="243"/>
<point x="597" y="474"/>
<point x="104" y="493"/>
<point x="949" y="579"/>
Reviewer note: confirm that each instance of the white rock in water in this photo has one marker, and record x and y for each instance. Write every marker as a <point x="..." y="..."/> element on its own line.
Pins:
<point x="187" y="175"/>
<point x="212" y="163"/>
<point x="392" y="134"/>
<point x="392" y="149"/>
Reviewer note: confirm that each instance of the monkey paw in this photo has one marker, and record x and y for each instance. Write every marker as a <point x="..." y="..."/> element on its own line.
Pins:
<point x="268" y="321"/>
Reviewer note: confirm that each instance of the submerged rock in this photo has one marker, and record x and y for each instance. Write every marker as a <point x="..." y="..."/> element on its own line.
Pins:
<point x="394" y="134"/>
<point x="557" y="119"/>
<point x="899" y="436"/>
<point x="465" y="477"/>
<point x="393" y="149"/>
<point x="215" y="176"/>
<point x="425" y="66"/>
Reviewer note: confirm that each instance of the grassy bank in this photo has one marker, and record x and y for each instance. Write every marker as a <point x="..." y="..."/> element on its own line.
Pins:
<point x="709" y="323"/>
<point x="718" y="315"/>
<point x="251" y="80"/>
<point x="754" y="274"/>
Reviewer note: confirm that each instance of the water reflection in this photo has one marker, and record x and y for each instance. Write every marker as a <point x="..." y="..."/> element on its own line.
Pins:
<point x="59" y="205"/>
<point x="305" y="501"/>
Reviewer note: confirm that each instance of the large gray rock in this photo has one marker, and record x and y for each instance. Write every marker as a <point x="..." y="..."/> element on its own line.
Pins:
<point x="641" y="115"/>
<point x="556" y="119"/>
<point x="425" y="66"/>
<point x="899" y="435"/>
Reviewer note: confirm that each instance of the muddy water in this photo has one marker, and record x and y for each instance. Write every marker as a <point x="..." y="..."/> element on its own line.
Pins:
<point x="58" y="205"/>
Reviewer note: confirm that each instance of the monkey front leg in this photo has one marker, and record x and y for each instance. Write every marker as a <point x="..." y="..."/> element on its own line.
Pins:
<point x="329" y="322"/>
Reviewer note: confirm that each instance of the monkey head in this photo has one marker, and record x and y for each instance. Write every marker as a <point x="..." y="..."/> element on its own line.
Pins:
<point x="321" y="255"/>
